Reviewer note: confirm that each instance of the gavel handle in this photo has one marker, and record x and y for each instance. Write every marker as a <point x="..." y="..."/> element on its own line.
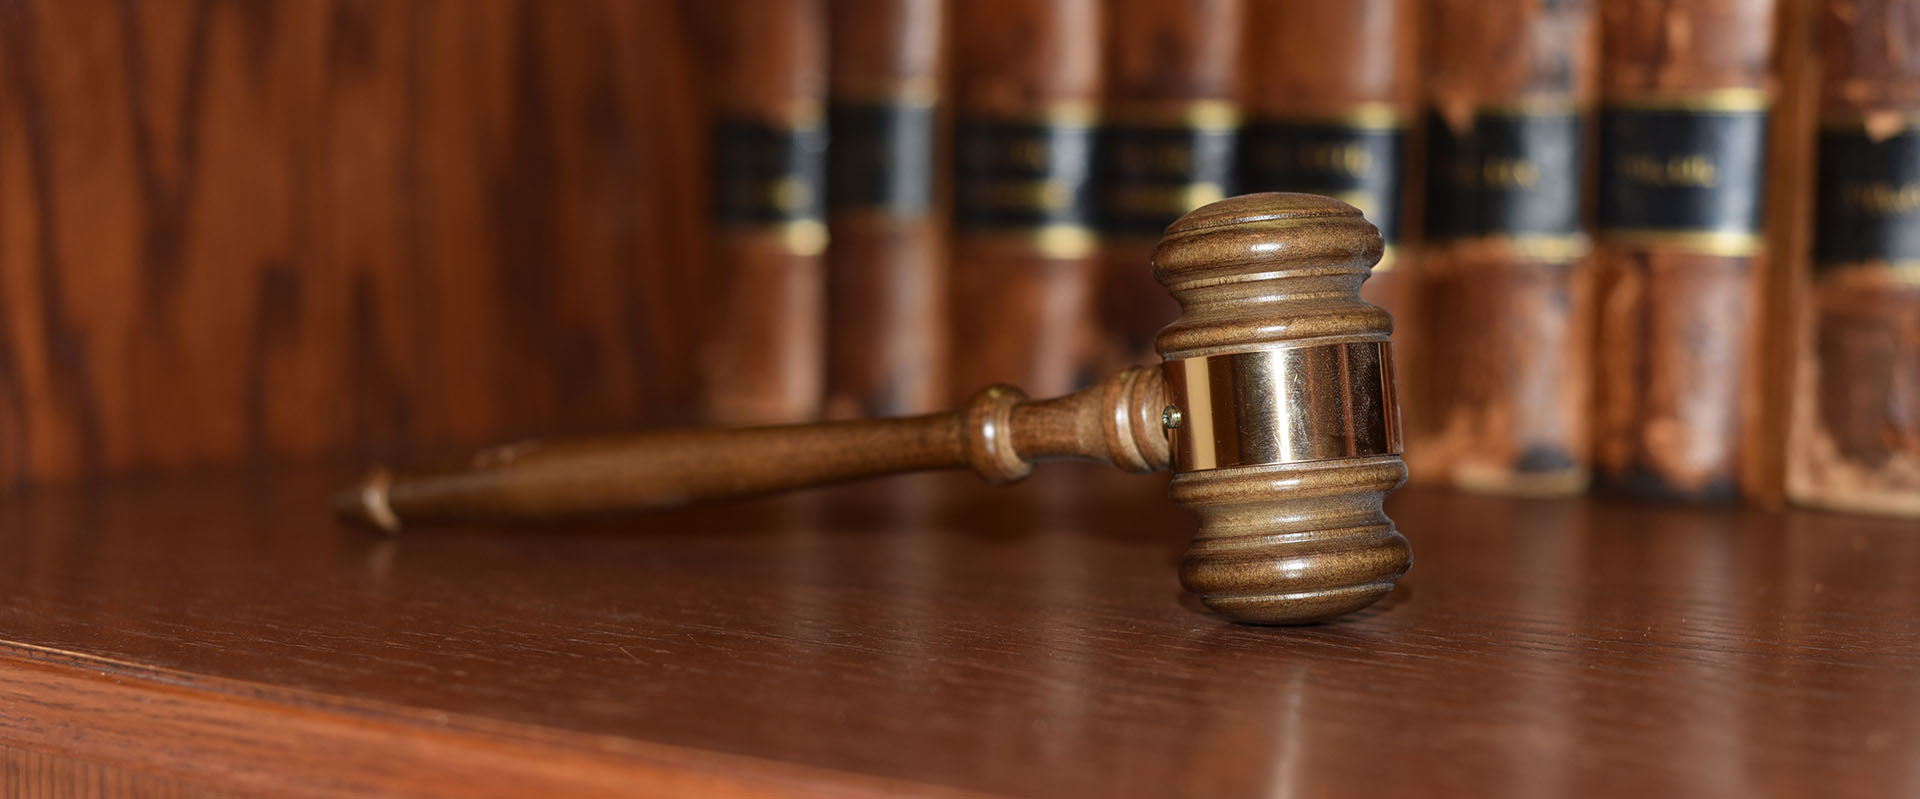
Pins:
<point x="999" y="434"/>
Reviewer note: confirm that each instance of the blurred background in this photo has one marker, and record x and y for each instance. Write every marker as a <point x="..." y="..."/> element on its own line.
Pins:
<point x="1660" y="248"/>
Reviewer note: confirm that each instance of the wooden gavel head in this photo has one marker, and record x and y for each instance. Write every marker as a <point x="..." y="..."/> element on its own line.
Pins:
<point x="1280" y="408"/>
<point x="1274" y="407"/>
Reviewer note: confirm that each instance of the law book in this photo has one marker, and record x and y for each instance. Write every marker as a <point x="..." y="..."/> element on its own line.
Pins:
<point x="1332" y="100"/>
<point x="1505" y="306"/>
<point x="1679" y="259"/>
<point x="886" y="265"/>
<point x="763" y="355"/>
<point x="1855" y="442"/>
<point x="1026" y="97"/>
<point x="1168" y="135"/>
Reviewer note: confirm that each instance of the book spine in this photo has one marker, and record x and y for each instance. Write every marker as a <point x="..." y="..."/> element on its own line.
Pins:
<point x="1168" y="137"/>
<point x="1332" y="101"/>
<point x="1026" y="96"/>
<point x="763" y="359"/>
<point x="1332" y="98"/>
<point x="1685" y="88"/>
<point x="886" y="267"/>
<point x="1856" y="430"/>
<point x="1504" y="306"/>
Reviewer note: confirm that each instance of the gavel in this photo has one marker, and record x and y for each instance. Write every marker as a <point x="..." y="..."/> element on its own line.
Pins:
<point x="1274" y="406"/>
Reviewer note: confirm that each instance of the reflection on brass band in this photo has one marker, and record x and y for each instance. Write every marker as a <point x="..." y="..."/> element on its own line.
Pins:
<point x="1731" y="99"/>
<point x="1287" y="405"/>
<point x="1709" y="242"/>
<point x="1207" y="115"/>
<point x="1051" y="241"/>
<point x="1365" y="116"/>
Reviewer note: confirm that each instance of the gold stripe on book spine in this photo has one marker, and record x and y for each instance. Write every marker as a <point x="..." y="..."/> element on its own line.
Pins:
<point x="1542" y="105"/>
<point x="1063" y="114"/>
<point x="1721" y="100"/>
<point x="1903" y="273"/>
<point x="1555" y="249"/>
<point x="914" y="93"/>
<point x="798" y="114"/>
<point x="1364" y="116"/>
<point x="1709" y="242"/>
<point x="1049" y="241"/>
<point x="802" y="237"/>
<point x="1205" y="115"/>
<point x="1878" y="123"/>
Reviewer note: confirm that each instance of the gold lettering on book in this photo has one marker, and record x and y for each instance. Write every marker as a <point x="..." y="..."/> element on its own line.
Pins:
<point x="1164" y="200"/>
<point x="1142" y="157"/>
<point x="1346" y="158"/>
<point x="1041" y="195"/>
<point x="1694" y="170"/>
<point x="1883" y="199"/>
<point x="1509" y="173"/>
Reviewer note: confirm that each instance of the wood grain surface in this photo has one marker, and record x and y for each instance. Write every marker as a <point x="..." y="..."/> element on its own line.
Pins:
<point x="26" y="774"/>
<point x="241" y="231"/>
<point x="1026" y="641"/>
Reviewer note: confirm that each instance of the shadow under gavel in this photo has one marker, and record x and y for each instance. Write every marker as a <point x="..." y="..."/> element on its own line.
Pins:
<point x="1274" y="406"/>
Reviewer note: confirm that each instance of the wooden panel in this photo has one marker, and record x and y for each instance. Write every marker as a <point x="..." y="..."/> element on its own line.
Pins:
<point x="1028" y="641"/>
<point x="238" y="231"/>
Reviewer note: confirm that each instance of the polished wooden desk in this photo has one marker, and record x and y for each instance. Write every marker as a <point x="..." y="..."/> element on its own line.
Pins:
<point x="221" y="636"/>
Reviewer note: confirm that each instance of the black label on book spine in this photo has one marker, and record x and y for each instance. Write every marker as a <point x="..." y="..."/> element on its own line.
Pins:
<point x="1512" y="174"/>
<point x="1867" y="200"/>
<point x="1029" y="178"/>
<point x="1684" y="176"/>
<point x="1151" y="174"/>
<point x="881" y="157"/>
<point x="770" y="176"/>
<point x="1360" y="161"/>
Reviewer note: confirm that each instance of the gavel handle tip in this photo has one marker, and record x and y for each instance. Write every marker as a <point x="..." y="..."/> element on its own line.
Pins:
<point x="366" y="503"/>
